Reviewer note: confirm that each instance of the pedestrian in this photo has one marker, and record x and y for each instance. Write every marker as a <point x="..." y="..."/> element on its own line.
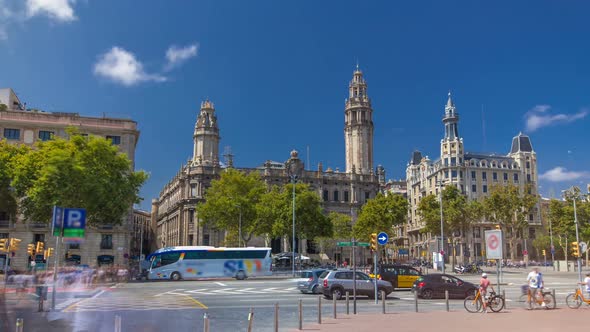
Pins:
<point x="586" y="283"/>
<point x="484" y="283"/>
<point x="536" y="284"/>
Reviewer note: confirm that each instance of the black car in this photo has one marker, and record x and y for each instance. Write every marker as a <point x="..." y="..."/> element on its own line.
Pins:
<point x="434" y="285"/>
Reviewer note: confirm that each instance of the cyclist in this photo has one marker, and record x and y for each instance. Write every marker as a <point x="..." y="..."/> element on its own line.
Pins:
<point x="586" y="283"/>
<point x="535" y="280"/>
<point x="484" y="283"/>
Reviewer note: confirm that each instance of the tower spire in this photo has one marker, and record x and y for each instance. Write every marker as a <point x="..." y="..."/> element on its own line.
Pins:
<point x="451" y="120"/>
<point x="358" y="128"/>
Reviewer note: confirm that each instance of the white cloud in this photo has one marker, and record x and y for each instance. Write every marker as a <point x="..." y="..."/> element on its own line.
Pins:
<point x="59" y="10"/>
<point x="560" y="174"/>
<point x="178" y="55"/>
<point x="121" y="66"/>
<point x="538" y="117"/>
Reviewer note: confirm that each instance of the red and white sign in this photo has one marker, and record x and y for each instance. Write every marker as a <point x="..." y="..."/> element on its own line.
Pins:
<point x="493" y="244"/>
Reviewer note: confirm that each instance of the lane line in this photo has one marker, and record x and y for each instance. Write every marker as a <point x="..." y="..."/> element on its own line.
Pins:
<point x="221" y="284"/>
<point x="197" y="302"/>
<point x="71" y="306"/>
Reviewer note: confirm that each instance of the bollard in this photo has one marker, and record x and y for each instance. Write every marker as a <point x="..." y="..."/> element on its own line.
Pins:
<point x="19" y="325"/>
<point x="300" y="314"/>
<point x="347" y="304"/>
<point x="117" y="323"/>
<point x="504" y="298"/>
<point x="205" y="322"/>
<point x="334" y="306"/>
<point x="319" y="309"/>
<point x="416" y="300"/>
<point x="250" y="319"/>
<point x="447" y="299"/>
<point x="554" y="298"/>
<point x="276" y="317"/>
<point x="383" y="301"/>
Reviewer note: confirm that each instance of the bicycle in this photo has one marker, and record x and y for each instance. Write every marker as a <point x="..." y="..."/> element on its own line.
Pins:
<point x="474" y="303"/>
<point x="574" y="300"/>
<point x="531" y="299"/>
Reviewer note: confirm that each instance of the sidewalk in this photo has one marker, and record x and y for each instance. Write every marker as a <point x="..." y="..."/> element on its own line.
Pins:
<point x="458" y="321"/>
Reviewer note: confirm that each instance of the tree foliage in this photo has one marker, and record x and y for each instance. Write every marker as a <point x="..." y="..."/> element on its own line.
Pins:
<point x="509" y="208"/>
<point x="82" y="172"/>
<point x="9" y="153"/>
<point x="380" y="214"/>
<point x="561" y="216"/>
<point x="341" y="230"/>
<point x="234" y="193"/>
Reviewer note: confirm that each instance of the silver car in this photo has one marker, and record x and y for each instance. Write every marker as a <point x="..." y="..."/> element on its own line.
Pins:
<point x="335" y="283"/>
<point x="308" y="281"/>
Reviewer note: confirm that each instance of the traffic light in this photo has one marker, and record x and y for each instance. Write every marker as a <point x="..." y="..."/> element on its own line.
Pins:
<point x="498" y="227"/>
<point x="31" y="249"/>
<point x="14" y="244"/>
<point x="544" y="252"/>
<point x="47" y="253"/>
<point x="40" y="247"/>
<point x="575" y="249"/>
<point x="373" y="243"/>
<point x="3" y="244"/>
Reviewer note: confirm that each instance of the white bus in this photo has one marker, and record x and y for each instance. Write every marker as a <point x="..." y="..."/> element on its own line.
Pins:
<point x="186" y="262"/>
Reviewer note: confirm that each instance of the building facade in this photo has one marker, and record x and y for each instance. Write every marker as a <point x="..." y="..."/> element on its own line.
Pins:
<point x="173" y="213"/>
<point x="107" y="244"/>
<point x="473" y="174"/>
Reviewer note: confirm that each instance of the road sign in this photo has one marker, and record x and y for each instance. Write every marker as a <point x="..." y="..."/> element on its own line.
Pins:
<point x="493" y="244"/>
<point x="583" y="246"/>
<point x="350" y="244"/>
<point x="382" y="238"/>
<point x="525" y="252"/>
<point x="403" y="251"/>
<point x="362" y="244"/>
<point x="344" y="244"/>
<point x="69" y="223"/>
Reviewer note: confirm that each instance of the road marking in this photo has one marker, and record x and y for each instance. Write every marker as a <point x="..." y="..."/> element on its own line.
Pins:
<point x="172" y="292"/>
<point x="221" y="284"/>
<point x="73" y="305"/>
<point x="197" y="302"/>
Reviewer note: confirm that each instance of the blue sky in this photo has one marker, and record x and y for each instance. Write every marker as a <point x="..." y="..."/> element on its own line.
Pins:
<point x="278" y="74"/>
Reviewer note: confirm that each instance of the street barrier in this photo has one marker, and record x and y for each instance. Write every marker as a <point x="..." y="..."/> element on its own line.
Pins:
<point x="447" y="299"/>
<point x="334" y="306"/>
<point x="205" y="322"/>
<point x="347" y="304"/>
<point x="300" y="314"/>
<point x="319" y="309"/>
<point x="383" y="295"/>
<point x="416" y="300"/>
<point x="276" y="322"/>
<point x="117" y="323"/>
<point x="250" y="319"/>
<point x="19" y="325"/>
<point x="504" y="297"/>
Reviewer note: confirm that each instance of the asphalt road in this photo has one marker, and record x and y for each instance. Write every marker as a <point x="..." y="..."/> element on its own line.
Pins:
<point x="180" y="306"/>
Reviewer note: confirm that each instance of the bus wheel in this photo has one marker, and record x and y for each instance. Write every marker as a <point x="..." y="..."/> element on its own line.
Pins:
<point x="175" y="276"/>
<point x="240" y="275"/>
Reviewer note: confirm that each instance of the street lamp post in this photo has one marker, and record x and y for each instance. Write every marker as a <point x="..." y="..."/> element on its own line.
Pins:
<point x="552" y="248"/>
<point x="573" y="193"/>
<point x="442" y="232"/>
<point x="293" y="181"/>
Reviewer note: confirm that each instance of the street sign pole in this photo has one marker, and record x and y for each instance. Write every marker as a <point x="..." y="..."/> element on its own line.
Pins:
<point x="6" y="264"/>
<point x="375" y="273"/>
<point x="353" y="276"/>
<point x="57" y="213"/>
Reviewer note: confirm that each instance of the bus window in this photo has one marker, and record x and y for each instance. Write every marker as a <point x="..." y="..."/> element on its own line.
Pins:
<point x="165" y="259"/>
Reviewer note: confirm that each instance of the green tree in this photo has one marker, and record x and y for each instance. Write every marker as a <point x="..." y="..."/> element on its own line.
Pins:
<point x="234" y="193"/>
<point x="9" y="153"/>
<point x="310" y="222"/>
<point x="561" y="214"/>
<point x="508" y="207"/>
<point x="83" y="172"/>
<point x="3" y="107"/>
<point x="380" y="214"/>
<point x="540" y="243"/>
<point x="342" y="230"/>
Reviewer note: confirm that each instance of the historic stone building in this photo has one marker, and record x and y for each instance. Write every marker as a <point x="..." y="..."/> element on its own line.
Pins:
<point x="107" y="244"/>
<point x="473" y="174"/>
<point x="173" y="212"/>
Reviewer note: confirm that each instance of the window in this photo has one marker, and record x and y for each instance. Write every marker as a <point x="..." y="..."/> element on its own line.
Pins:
<point x="531" y="217"/>
<point x="45" y="135"/>
<point x="191" y="216"/>
<point x="190" y="240"/>
<point x="453" y="161"/>
<point x="367" y="195"/>
<point x="453" y="174"/>
<point x="38" y="238"/>
<point x="473" y="188"/>
<point x="11" y="133"/>
<point x="473" y="174"/>
<point x="106" y="241"/>
<point x="3" y="235"/>
<point x="531" y="233"/>
<point x="193" y="190"/>
<point x="528" y="177"/>
<point x="515" y="177"/>
<point x="326" y="194"/>
<point x="336" y="196"/>
<point x="528" y="164"/>
<point x="115" y="140"/>
<point x="74" y="246"/>
<point x="476" y="232"/>
<point x="485" y="188"/>
<point x="346" y="196"/>
<point x="505" y="176"/>
<point x="495" y="176"/>
<point x="343" y="275"/>
<point x="484" y="176"/>
<point x="4" y="216"/>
